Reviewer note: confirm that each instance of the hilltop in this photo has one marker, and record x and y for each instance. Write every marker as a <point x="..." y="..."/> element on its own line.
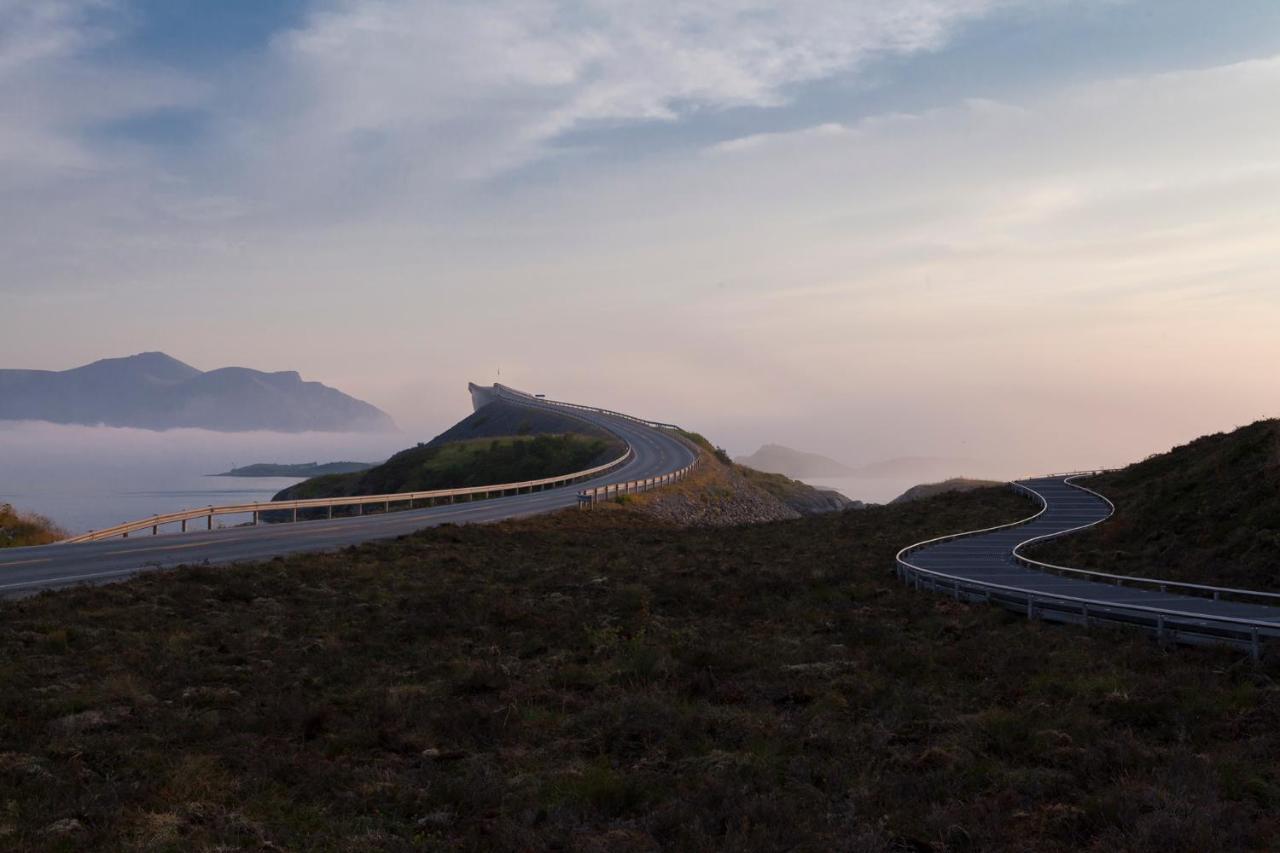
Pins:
<point x="955" y="484"/>
<point x="1205" y="512"/>
<point x="498" y="443"/>
<point x="456" y="464"/>
<point x="155" y="391"/>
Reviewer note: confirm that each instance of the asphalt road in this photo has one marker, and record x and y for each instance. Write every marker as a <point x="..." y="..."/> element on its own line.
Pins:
<point x="24" y="571"/>
<point x="989" y="557"/>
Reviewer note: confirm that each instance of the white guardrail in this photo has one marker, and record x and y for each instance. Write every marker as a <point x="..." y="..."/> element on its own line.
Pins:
<point x="587" y="498"/>
<point x="1170" y="624"/>
<point x="411" y="500"/>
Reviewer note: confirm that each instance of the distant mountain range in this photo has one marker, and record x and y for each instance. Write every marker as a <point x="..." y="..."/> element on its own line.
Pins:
<point x="155" y="391"/>
<point x="776" y="459"/>
<point x="798" y="464"/>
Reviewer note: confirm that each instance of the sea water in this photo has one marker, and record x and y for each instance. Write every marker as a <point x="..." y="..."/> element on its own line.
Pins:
<point x="87" y="478"/>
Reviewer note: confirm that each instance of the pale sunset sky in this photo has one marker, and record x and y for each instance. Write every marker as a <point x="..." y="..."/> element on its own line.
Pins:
<point x="1041" y="232"/>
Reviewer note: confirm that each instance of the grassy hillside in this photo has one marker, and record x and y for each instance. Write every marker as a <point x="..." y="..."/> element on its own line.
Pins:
<point x="955" y="484"/>
<point x="593" y="681"/>
<point x="18" y="529"/>
<point x="476" y="462"/>
<point x="1207" y="512"/>
<point x="501" y="418"/>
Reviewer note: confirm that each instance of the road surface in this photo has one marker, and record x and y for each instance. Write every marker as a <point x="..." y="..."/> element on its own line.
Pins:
<point x="989" y="559"/>
<point x="27" y="570"/>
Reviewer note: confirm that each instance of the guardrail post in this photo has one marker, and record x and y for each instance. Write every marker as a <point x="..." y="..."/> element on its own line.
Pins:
<point x="155" y="528"/>
<point x="1255" y="647"/>
<point x="255" y="516"/>
<point x="330" y="511"/>
<point x="1160" y="629"/>
<point x="1031" y="608"/>
<point x="184" y="525"/>
<point x="359" y="508"/>
<point x="210" y="518"/>
<point x="295" y="515"/>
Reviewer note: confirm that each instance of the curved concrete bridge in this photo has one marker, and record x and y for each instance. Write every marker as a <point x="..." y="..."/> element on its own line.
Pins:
<point x="989" y="565"/>
<point x="654" y="451"/>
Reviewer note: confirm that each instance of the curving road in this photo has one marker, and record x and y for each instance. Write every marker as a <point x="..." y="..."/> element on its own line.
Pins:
<point x="989" y="565"/>
<point x="27" y="570"/>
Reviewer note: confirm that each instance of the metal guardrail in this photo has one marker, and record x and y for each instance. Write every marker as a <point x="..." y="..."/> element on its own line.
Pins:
<point x="357" y="501"/>
<point x="410" y="498"/>
<point x="588" y="498"/>
<point x="1169" y="624"/>
<point x="535" y="400"/>
<point x="1217" y="593"/>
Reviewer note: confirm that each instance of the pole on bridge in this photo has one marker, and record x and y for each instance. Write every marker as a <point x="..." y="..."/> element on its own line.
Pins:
<point x="184" y="525"/>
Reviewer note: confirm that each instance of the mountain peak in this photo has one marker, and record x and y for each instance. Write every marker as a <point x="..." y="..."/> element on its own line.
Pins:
<point x="153" y="390"/>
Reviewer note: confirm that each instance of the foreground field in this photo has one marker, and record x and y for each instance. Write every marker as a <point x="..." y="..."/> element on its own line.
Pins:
<point x="594" y="681"/>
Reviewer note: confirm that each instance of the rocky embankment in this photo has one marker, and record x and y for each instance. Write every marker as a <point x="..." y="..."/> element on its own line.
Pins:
<point x="721" y="494"/>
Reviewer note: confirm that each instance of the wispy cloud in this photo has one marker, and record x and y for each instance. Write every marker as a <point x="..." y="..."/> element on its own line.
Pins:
<point x="472" y="89"/>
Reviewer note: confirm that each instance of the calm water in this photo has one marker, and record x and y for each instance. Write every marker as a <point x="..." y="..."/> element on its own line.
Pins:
<point x="86" y="478"/>
<point x="881" y="490"/>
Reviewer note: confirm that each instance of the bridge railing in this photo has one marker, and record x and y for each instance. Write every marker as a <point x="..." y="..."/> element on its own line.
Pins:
<point x="410" y="500"/>
<point x="533" y="398"/>
<point x="1170" y="624"/>
<point x="588" y="498"/>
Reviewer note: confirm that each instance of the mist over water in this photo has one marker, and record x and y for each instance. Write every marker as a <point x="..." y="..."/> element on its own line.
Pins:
<point x="87" y="478"/>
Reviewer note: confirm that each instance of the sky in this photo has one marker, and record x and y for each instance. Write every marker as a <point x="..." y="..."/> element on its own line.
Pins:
<point x="1038" y="232"/>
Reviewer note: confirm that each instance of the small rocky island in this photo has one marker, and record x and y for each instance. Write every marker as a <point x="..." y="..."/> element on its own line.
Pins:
<point x="301" y="469"/>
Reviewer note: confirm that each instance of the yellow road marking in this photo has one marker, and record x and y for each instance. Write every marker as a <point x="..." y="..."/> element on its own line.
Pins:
<point x="161" y="548"/>
<point x="25" y="562"/>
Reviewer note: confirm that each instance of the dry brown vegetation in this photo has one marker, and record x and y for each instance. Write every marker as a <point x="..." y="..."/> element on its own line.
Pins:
<point x="598" y="681"/>
<point x="18" y="529"/>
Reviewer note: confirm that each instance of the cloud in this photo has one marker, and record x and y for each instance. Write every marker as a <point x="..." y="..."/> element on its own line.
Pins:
<point x="473" y="89"/>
